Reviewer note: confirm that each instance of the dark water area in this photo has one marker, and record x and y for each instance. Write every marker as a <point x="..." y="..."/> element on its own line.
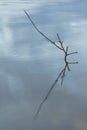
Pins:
<point x="29" y="65"/>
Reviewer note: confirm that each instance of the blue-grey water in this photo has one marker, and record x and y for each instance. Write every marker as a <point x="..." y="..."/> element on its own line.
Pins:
<point x="29" y="65"/>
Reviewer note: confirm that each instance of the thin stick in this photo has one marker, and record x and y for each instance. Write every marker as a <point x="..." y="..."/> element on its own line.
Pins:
<point x="62" y="73"/>
<point x="41" y="32"/>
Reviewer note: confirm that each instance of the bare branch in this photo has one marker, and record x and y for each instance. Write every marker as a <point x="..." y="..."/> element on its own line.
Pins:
<point x="40" y="31"/>
<point x="62" y="73"/>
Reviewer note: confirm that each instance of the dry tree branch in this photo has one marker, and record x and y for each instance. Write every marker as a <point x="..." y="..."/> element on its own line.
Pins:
<point x="62" y="73"/>
<point x="41" y="32"/>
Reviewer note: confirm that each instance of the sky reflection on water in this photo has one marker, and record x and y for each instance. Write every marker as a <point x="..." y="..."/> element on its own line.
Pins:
<point x="29" y="65"/>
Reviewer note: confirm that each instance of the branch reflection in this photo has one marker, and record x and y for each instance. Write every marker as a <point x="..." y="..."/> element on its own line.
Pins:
<point x="60" y="78"/>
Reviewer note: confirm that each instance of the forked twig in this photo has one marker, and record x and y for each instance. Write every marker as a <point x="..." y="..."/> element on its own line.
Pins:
<point x="62" y="73"/>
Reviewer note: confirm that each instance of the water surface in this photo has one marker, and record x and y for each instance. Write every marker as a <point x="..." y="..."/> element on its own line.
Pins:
<point x="29" y="65"/>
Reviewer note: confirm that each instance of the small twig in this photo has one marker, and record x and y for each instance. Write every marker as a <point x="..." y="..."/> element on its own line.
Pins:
<point x="62" y="73"/>
<point x="72" y="62"/>
<point x="41" y="32"/>
<point x="72" y="53"/>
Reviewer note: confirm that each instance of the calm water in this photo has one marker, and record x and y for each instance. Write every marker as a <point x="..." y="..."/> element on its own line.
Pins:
<point x="29" y="65"/>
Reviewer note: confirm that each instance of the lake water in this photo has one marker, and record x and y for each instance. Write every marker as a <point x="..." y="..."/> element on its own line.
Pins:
<point x="29" y="65"/>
